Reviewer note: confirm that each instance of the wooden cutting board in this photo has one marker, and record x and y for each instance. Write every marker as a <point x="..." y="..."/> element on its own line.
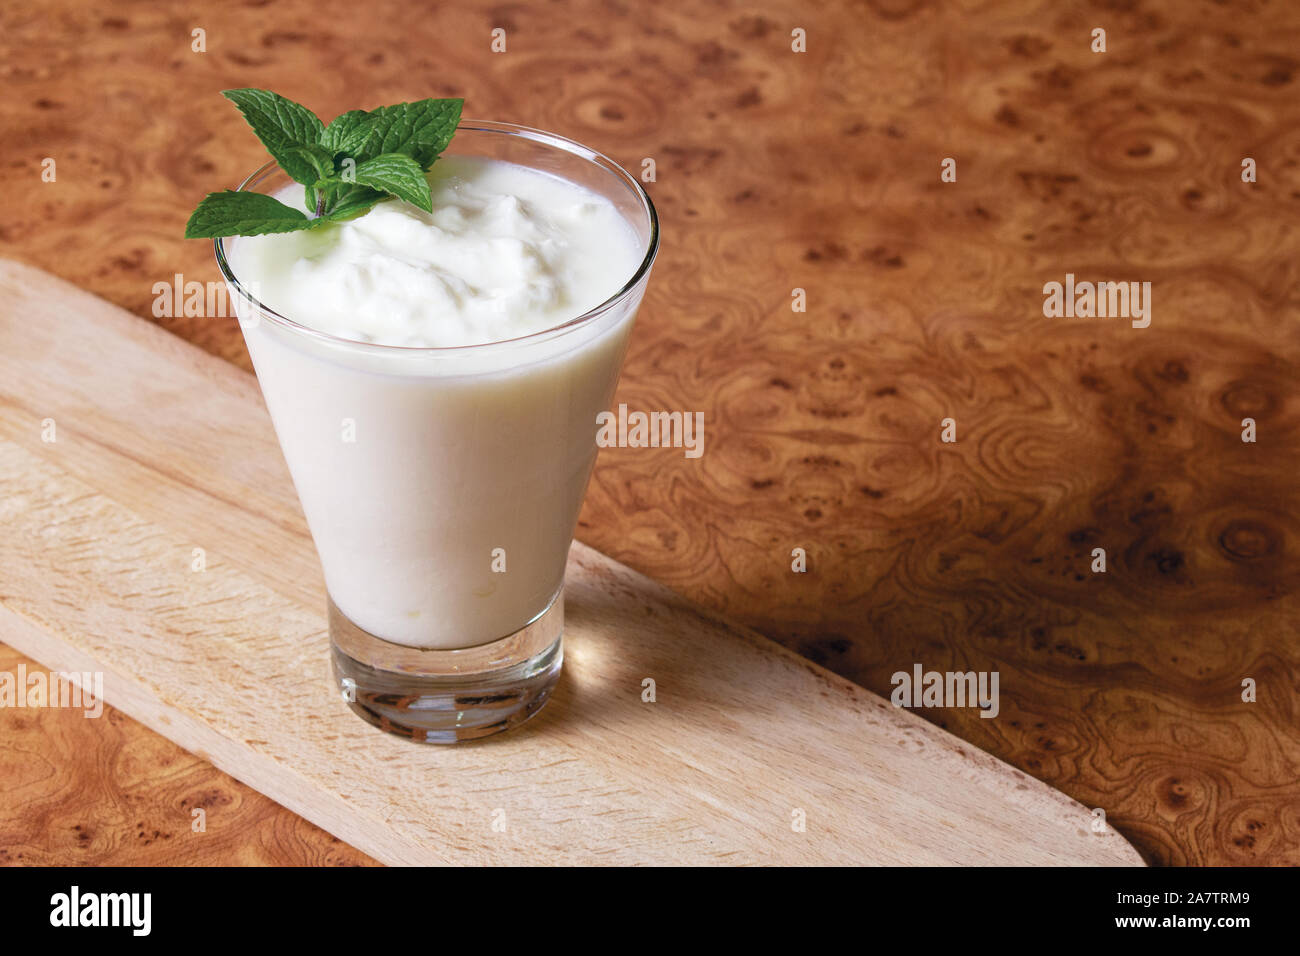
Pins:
<point x="160" y="449"/>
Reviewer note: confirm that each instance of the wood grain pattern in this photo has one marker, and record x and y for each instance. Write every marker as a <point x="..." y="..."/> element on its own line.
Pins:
<point x="231" y="660"/>
<point x="820" y="171"/>
<point x="100" y="792"/>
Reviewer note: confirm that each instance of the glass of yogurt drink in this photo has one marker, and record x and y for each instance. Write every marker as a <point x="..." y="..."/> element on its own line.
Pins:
<point x="434" y="382"/>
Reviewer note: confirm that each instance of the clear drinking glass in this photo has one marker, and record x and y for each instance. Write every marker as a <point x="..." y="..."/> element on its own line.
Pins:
<point x="442" y="485"/>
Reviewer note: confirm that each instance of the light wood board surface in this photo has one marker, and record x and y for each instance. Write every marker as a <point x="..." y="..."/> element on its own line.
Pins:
<point x="160" y="449"/>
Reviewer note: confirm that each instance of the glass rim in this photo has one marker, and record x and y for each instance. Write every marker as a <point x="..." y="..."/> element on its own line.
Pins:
<point x="481" y="126"/>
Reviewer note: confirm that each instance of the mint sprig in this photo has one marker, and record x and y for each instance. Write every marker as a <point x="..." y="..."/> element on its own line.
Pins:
<point x="360" y="158"/>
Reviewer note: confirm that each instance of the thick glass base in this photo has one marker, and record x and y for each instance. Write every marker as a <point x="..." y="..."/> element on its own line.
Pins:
<point x="446" y="696"/>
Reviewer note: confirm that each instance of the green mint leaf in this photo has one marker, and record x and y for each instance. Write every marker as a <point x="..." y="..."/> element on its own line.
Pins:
<point x="233" y="213"/>
<point x="281" y="125"/>
<point x="348" y="132"/>
<point x="420" y="130"/>
<point x="398" y="174"/>
<point x="351" y="200"/>
<point x="320" y="159"/>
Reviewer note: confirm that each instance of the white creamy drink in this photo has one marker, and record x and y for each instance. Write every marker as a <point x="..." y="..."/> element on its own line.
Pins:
<point x="426" y="468"/>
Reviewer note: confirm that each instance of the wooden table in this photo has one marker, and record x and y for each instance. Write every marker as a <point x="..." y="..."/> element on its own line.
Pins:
<point x="818" y="171"/>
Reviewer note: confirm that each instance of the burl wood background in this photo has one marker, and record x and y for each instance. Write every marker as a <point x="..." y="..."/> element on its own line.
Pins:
<point x="820" y="171"/>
